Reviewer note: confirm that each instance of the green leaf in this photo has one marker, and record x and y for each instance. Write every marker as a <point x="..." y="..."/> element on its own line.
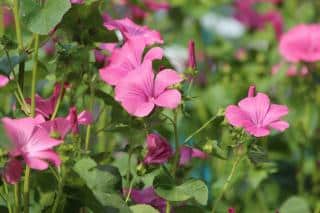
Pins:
<point x="42" y="19"/>
<point x="142" y="208"/>
<point x="104" y="182"/>
<point x="191" y="189"/>
<point x="189" y="209"/>
<point x="15" y="60"/>
<point x="295" y="205"/>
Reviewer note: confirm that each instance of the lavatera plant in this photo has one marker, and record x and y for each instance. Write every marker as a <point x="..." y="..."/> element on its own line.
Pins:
<point x="92" y="111"/>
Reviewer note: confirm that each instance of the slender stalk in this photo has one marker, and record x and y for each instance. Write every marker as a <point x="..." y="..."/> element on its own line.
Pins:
<point x="60" y="192"/>
<point x="17" y="198"/>
<point x="34" y="75"/>
<point x="54" y="114"/>
<point x="19" y="39"/>
<point x="7" y="195"/>
<point x="168" y="207"/>
<point x="228" y="181"/>
<point x="26" y="190"/>
<point x="88" y="132"/>
<point x="200" y="129"/>
<point x="129" y="191"/>
<point x="177" y="145"/>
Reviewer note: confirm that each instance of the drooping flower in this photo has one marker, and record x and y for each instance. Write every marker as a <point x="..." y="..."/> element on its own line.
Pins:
<point x="147" y="196"/>
<point x="191" y="55"/>
<point x="49" y="47"/>
<point x="131" y="31"/>
<point x="58" y="128"/>
<point x="45" y="107"/>
<point x="4" y="80"/>
<point x="257" y="115"/>
<point x="187" y="153"/>
<point x="12" y="171"/>
<point x="159" y="150"/>
<point x="140" y="91"/>
<point x="84" y="118"/>
<point x="126" y="59"/>
<point x="301" y="43"/>
<point x="31" y="142"/>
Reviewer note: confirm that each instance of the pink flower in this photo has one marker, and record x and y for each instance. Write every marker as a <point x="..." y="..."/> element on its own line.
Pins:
<point x="104" y="51"/>
<point x="231" y="210"/>
<point x="30" y="141"/>
<point x="49" y="47"/>
<point x="7" y="16"/>
<point x="131" y="31"/>
<point x="187" y="153"/>
<point x="257" y="115"/>
<point x="292" y="71"/>
<point x="84" y="118"/>
<point x="159" y="150"/>
<point x="45" y="107"/>
<point x="77" y="1"/>
<point x="126" y="59"/>
<point x="57" y="128"/>
<point x="156" y="5"/>
<point x="191" y="55"/>
<point x="147" y="196"/>
<point x="4" y="80"/>
<point x="140" y="91"/>
<point x="301" y="43"/>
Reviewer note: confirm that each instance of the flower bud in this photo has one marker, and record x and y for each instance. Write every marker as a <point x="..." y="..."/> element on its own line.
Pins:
<point x="192" y="64"/>
<point x="252" y="91"/>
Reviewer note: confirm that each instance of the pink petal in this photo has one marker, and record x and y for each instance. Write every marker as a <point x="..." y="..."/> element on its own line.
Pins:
<point x="154" y="53"/>
<point x="256" y="107"/>
<point x="257" y="131"/>
<point x="85" y="118"/>
<point x="237" y="117"/>
<point x="4" y="80"/>
<point x="279" y="125"/>
<point x="47" y="155"/>
<point x="169" y="99"/>
<point x="164" y="79"/>
<point x="275" y="113"/>
<point x="35" y="163"/>
<point x="40" y="141"/>
<point x="137" y="107"/>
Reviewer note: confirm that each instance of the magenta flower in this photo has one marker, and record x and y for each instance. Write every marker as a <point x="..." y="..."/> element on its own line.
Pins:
<point x="12" y="171"/>
<point x="103" y="52"/>
<point x="231" y="210"/>
<point x="32" y="143"/>
<point x="147" y="196"/>
<point x="140" y="91"/>
<point x="257" y="115"/>
<point x="45" y="107"/>
<point x="159" y="150"/>
<point x="191" y="55"/>
<point x="49" y="47"/>
<point x="126" y="59"/>
<point x="58" y="128"/>
<point x="187" y="153"/>
<point x="84" y="118"/>
<point x="7" y="16"/>
<point x="4" y="80"/>
<point x="131" y="31"/>
<point x="301" y="43"/>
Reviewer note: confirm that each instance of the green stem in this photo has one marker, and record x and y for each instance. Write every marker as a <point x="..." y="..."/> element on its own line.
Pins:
<point x="54" y="114"/>
<point x="60" y="192"/>
<point x="200" y="129"/>
<point x="228" y="181"/>
<point x="177" y="145"/>
<point x="20" y="40"/>
<point x="168" y="207"/>
<point x="17" y="198"/>
<point x="26" y="189"/>
<point x="87" y="142"/>
<point x="7" y="195"/>
<point x="34" y="75"/>
<point x="130" y="189"/>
